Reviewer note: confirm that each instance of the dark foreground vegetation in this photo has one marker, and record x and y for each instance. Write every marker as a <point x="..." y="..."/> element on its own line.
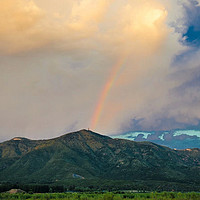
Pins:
<point x="104" y="196"/>
<point x="84" y="185"/>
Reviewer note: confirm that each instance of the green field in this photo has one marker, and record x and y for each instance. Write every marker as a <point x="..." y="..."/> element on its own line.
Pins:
<point x="104" y="196"/>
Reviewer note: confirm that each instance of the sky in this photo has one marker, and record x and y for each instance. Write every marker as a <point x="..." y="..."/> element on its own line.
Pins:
<point x="112" y="66"/>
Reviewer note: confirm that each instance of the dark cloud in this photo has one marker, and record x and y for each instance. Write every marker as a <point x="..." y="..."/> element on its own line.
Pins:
<point x="192" y="23"/>
<point x="158" y="123"/>
<point x="191" y="83"/>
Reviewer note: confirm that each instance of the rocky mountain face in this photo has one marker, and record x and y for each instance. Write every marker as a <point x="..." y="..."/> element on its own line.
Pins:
<point x="177" y="139"/>
<point x="92" y="156"/>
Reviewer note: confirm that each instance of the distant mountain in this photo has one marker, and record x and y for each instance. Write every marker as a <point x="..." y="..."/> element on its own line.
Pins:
<point x="177" y="139"/>
<point x="90" y="156"/>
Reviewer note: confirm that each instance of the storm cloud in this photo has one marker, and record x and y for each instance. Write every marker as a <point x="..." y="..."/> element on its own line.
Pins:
<point x="56" y="57"/>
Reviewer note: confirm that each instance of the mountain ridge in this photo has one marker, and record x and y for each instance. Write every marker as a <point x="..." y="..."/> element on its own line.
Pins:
<point x="94" y="156"/>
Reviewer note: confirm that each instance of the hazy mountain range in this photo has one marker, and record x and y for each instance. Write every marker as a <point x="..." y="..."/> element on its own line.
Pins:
<point x="178" y="139"/>
<point x="91" y="156"/>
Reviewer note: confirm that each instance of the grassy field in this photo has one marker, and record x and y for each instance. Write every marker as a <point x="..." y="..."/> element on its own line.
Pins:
<point x="104" y="196"/>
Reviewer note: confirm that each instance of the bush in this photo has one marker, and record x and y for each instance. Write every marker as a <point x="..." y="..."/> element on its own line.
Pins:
<point x="108" y="196"/>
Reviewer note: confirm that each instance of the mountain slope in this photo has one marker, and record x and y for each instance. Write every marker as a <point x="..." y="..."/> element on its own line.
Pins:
<point x="94" y="156"/>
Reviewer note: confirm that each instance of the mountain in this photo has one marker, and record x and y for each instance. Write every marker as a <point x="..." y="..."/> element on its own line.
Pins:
<point x="85" y="155"/>
<point x="176" y="139"/>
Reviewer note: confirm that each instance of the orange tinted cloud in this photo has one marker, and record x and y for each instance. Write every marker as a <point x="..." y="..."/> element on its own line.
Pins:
<point x="27" y="25"/>
<point x="57" y="57"/>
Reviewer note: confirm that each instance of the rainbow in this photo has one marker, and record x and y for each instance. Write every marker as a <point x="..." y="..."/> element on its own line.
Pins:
<point x="104" y="93"/>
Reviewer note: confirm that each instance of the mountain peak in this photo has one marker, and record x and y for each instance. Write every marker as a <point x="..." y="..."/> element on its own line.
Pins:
<point x="86" y="133"/>
<point x="89" y="132"/>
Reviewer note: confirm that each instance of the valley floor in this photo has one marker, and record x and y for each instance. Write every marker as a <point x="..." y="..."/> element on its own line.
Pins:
<point x="103" y="196"/>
